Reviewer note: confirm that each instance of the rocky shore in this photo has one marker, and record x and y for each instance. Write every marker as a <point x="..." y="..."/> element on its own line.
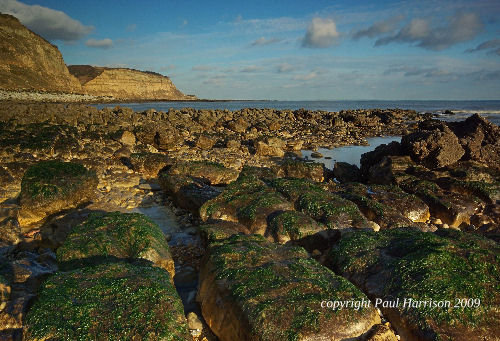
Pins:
<point x="216" y="215"/>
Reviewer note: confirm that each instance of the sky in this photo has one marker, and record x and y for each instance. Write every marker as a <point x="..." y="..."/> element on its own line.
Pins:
<point x="285" y="50"/>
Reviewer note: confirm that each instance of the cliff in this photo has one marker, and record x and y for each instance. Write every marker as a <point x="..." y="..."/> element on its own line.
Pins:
<point x="29" y="62"/>
<point x="127" y="84"/>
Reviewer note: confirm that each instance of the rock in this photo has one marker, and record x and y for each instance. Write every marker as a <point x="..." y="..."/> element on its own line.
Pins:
<point x="408" y="205"/>
<point x="435" y="148"/>
<point x="52" y="186"/>
<point x="188" y="192"/>
<point x="316" y="155"/>
<point x="300" y="169"/>
<point x="245" y="281"/>
<point x="345" y="172"/>
<point x="479" y="138"/>
<point x="384" y="215"/>
<point x="220" y="229"/>
<point x="421" y="266"/>
<point x="149" y="164"/>
<point x="110" y="300"/>
<point x="239" y="125"/>
<point x="291" y="225"/>
<point x="214" y="172"/>
<point x="331" y="210"/>
<point x="293" y="188"/>
<point x="390" y="170"/>
<point x="375" y="156"/>
<point x="453" y="209"/>
<point x="247" y="201"/>
<point x="115" y="235"/>
<point x="381" y="332"/>
<point x="10" y="232"/>
<point x="205" y="142"/>
<point x="127" y="138"/>
<point x="233" y="144"/>
<point x="270" y="146"/>
<point x="149" y="187"/>
<point x="194" y="324"/>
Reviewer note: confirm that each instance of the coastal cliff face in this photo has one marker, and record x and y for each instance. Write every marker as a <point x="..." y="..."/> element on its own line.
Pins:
<point x="124" y="83"/>
<point x="29" y="62"/>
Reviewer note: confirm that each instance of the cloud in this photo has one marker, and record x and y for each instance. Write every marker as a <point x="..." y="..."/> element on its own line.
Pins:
<point x="263" y="41"/>
<point x="49" y="23"/>
<point x="251" y="68"/>
<point x="306" y="77"/>
<point x="131" y="27"/>
<point x="321" y="33"/>
<point x="101" y="44"/>
<point x="285" y="67"/>
<point x="492" y="45"/>
<point x="413" y="71"/>
<point x="461" y="27"/>
<point x="379" y="28"/>
<point x="202" y="68"/>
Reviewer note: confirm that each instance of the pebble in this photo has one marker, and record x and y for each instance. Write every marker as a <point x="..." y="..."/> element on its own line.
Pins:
<point x="445" y="226"/>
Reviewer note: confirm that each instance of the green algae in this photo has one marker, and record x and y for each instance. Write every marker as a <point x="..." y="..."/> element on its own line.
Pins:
<point x="445" y="266"/>
<point x="280" y="288"/>
<point x="54" y="179"/>
<point x="120" y="235"/>
<point x="108" y="302"/>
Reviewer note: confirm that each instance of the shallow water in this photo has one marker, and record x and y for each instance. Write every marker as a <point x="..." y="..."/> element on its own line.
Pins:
<point x="349" y="154"/>
<point x="162" y="216"/>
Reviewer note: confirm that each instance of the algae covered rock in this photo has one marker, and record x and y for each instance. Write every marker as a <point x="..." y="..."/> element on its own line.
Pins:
<point x="52" y="186"/>
<point x="116" y="301"/>
<point x="292" y="225"/>
<point x="252" y="289"/>
<point x="417" y="267"/>
<point x="116" y="235"/>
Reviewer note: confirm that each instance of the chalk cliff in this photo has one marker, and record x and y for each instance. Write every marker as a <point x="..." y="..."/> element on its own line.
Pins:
<point x="122" y="83"/>
<point x="29" y="62"/>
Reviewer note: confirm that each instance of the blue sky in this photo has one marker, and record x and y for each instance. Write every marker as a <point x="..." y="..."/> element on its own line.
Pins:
<point x="285" y="50"/>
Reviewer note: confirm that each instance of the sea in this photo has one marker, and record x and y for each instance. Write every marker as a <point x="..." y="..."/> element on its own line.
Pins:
<point x="351" y="154"/>
<point x="461" y="109"/>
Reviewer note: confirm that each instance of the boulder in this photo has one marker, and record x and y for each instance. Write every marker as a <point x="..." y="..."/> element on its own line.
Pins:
<point x="110" y="301"/>
<point x="127" y="138"/>
<point x="479" y="138"/>
<point x="433" y="148"/>
<point x="213" y="172"/>
<point x="271" y="146"/>
<point x="116" y="236"/>
<point x="345" y="172"/>
<point x="291" y="225"/>
<point x="332" y="210"/>
<point x="247" y="284"/>
<point x="247" y="201"/>
<point x="451" y="208"/>
<point x="425" y="271"/>
<point x="188" y="192"/>
<point x="301" y="169"/>
<point x="205" y="142"/>
<point x="149" y="164"/>
<point x="52" y="186"/>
